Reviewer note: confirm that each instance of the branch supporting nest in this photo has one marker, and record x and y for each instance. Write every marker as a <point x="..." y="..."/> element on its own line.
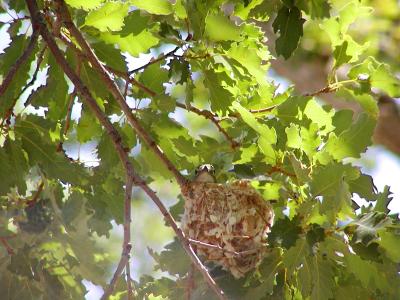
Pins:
<point x="131" y="176"/>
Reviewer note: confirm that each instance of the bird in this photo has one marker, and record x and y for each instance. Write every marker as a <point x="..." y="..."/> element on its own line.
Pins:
<point x="228" y="222"/>
<point x="205" y="173"/>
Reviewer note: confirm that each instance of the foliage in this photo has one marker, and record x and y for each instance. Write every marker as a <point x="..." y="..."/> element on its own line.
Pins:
<point x="209" y="67"/>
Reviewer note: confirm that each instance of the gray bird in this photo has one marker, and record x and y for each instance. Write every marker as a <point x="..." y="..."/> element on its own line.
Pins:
<point x="205" y="173"/>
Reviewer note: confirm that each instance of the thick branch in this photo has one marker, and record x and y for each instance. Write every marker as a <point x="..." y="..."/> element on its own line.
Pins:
<point x="19" y="62"/>
<point x="134" y="122"/>
<point x="39" y="25"/>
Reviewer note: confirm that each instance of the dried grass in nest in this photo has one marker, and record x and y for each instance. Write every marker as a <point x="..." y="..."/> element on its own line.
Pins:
<point x="233" y="217"/>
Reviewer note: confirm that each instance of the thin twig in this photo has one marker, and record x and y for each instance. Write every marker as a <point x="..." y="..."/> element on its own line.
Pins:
<point x="67" y="119"/>
<point x="17" y="19"/>
<point x="213" y="118"/>
<point x="19" y="62"/>
<point x="217" y="247"/>
<point x="35" y="197"/>
<point x="34" y="76"/>
<point x="160" y="58"/>
<point x="144" y="135"/>
<point x="276" y="169"/>
<point x="325" y="90"/>
<point x="70" y="104"/>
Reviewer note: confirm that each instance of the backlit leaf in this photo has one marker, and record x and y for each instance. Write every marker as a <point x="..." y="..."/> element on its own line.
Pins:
<point x="108" y="17"/>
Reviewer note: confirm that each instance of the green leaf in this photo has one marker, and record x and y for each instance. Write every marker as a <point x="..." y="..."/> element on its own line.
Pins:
<point x="33" y="131"/>
<point x="165" y="103"/>
<point x="382" y="79"/>
<point x="220" y="28"/>
<point x="317" y="9"/>
<point x="345" y="48"/>
<point x="291" y="110"/>
<point x="133" y="44"/>
<point x="109" y="17"/>
<point x="364" y="187"/>
<point x="135" y="23"/>
<point x="268" y="270"/>
<point x="154" y="77"/>
<point x="342" y="120"/>
<point x="366" y="101"/>
<point x="109" y="55"/>
<point x="366" y="272"/>
<point x="86" y="5"/>
<point x="338" y="206"/>
<point x="293" y="136"/>
<point x="285" y="232"/>
<point x="157" y="7"/>
<point x="173" y="259"/>
<point x="310" y="140"/>
<point x="179" y="71"/>
<point x="378" y="76"/>
<point x="296" y="255"/>
<point x="289" y="24"/>
<point x="353" y="141"/>
<point x="88" y="127"/>
<point x="220" y="97"/>
<point x="300" y="170"/>
<point x="247" y="154"/>
<point x="390" y="242"/>
<point x="267" y="135"/>
<point x="319" y="116"/>
<point x="323" y="281"/>
<point x="94" y="82"/>
<point x="340" y="54"/>
<point x="383" y="200"/>
<point x="54" y="94"/>
<point x="13" y="167"/>
<point x="366" y="227"/>
<point x="249" y="58"/>
<point x="243" y="10"/>
<point x="326" y="180"/>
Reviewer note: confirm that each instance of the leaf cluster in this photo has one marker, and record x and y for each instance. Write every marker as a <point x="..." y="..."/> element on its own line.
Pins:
<point x="205" y="95"/>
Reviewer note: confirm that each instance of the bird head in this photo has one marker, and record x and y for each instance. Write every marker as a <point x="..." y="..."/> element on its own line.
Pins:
<point x="205" y="173"/>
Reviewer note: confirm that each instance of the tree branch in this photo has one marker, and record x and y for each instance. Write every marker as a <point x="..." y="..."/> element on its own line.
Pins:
<point x="19" y="62"/>
<point x="132" y="177"/>
<point x="39" y="25"/>
<point x="133" y="121"/>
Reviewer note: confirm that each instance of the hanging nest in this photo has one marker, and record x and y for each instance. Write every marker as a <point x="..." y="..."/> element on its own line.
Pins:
<point x="233" y="219"/>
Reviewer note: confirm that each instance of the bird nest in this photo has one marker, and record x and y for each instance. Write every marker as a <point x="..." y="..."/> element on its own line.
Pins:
<point x="228" y="223"/>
